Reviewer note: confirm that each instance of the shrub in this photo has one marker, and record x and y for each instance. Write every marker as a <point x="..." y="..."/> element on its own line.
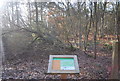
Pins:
<point x="108" y="46"/>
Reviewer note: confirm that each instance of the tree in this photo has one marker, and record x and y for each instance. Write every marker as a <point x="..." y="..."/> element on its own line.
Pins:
<point x="95" y="25"/>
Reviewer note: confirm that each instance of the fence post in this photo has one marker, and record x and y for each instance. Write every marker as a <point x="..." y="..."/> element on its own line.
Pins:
<point x="115" y="61"/>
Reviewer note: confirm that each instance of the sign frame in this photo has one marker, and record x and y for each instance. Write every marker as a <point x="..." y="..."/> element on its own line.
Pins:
<point x="50" y="70"/>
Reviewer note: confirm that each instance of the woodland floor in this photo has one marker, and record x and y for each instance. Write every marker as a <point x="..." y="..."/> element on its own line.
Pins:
<point x="32" y="64"/>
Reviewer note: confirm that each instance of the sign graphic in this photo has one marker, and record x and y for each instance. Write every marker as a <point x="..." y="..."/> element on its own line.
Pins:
<point x="63" y="63"/>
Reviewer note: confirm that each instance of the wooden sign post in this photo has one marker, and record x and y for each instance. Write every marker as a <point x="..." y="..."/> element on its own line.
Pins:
<point x="63" y="64"/>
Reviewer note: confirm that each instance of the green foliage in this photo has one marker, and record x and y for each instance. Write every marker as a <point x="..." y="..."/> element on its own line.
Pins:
<point x="33" y="35"/>
<point x="97" y="42"/>
<point x="71" y="48"/>
<point x="108" y="46"/>
<point x="91" y="56"/>
<point x="88" y="44"/>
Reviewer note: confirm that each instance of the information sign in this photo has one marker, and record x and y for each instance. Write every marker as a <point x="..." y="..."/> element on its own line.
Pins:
<point x="63" y="64"/>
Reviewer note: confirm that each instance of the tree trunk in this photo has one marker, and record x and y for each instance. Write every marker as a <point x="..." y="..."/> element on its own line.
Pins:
<point x="36" y="8"/>
<point x="29" y="17"/>
<point x="17" y="12"/>
<point x="88" y="29"/>
<point x="115" y="61"/>
<point x="95" y="34"/>
<point x="118" y="20"/>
